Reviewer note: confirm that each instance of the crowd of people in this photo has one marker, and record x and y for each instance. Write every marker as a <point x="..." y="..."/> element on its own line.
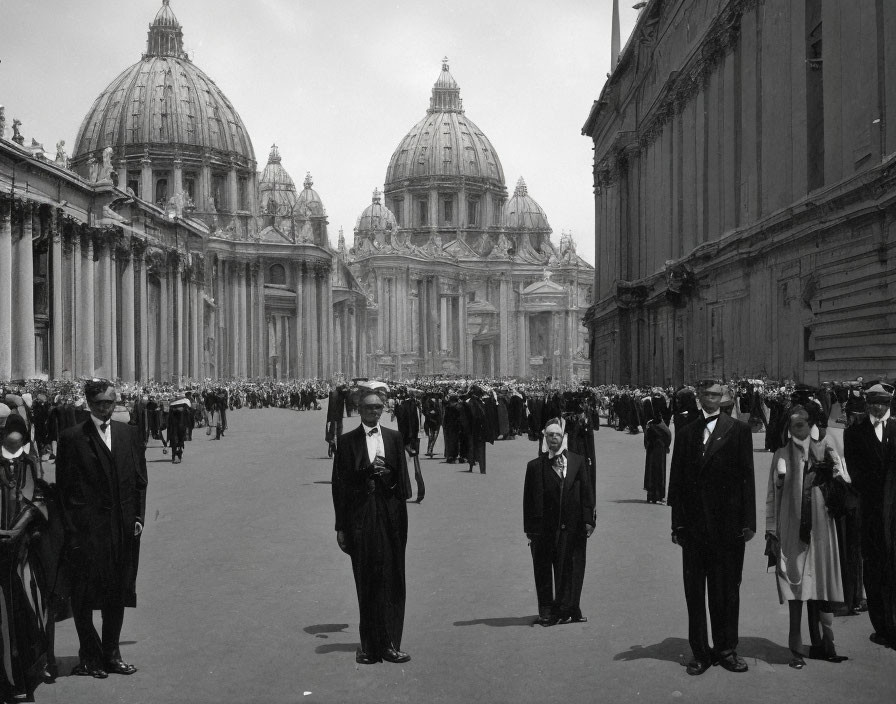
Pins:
<point x="830" y="508"/>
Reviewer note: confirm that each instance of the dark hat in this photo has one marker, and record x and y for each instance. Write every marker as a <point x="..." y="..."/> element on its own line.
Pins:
<point x="710" y="386"/>
<point x="879" y="393"/>
<point x="16" y="424"/>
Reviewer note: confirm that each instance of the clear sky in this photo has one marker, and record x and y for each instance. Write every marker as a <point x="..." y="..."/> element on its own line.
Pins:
<point x="336" y="84"/>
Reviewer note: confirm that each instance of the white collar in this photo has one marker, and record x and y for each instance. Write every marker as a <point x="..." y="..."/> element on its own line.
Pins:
<point x="97" y="422"/>
<point x="9" y="455"/>
<point x="883" y="419"/>
<point x="715" y="415"/>
<point x="368" y="428"/>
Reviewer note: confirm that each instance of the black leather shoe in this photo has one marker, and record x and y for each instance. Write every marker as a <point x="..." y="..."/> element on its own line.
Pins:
<point x="879" y="639"/>
<point x="85" y="670"/>
<point x="818" y="652"/>
<point x="733" y="663"/>
<point x="120" y="667"/>
<point x="698" y="667"/>
<point x="363" y="658"/>
<point x="549" y="621"/>
<point x="393" y="655"/>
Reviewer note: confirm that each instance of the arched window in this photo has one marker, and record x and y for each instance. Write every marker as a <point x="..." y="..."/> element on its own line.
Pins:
<point x="277" y="275"/>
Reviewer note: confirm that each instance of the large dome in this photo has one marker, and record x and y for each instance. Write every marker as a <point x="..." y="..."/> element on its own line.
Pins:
<point x="522" y="212"/>
<point x="163" y="100"/>
<point x="445" y="142"/>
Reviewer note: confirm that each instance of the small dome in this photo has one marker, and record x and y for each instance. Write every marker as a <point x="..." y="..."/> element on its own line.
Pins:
<point x="522" y="212"/>
<point x="376" y="216"/>
<point x="165" y="16"/>
<point x="445" y="142"/>
<point x="276" y="189"/>
<point x="309" y="199"/>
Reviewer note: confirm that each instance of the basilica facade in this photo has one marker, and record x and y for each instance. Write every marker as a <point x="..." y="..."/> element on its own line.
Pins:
<point x="158" y="251"/>
<point x="459" y="278"/>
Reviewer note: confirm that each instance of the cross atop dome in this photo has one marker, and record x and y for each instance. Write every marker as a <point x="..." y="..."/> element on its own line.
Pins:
<point x="376" y="195"/>
<point x="308" y="182"/>
<point x="521" y="189"/>
<point x="445" y="63"/>
<point x="274" y="156"/>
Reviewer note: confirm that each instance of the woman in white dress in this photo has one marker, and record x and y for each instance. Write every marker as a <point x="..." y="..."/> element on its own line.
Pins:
<point x="803" y="536"/>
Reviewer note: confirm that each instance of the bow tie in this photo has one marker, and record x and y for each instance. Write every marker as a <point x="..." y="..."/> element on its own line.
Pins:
<point x="712" y="419"/>
<point x="373" y="431"/>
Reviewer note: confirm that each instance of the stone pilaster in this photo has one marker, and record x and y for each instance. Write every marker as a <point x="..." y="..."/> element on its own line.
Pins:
<point x="88" y="312"/>
<point x="6" y="296"/>
<point x="58" y="306"/>
<point x="128" y="368"/>
<point x="23" y="307"/>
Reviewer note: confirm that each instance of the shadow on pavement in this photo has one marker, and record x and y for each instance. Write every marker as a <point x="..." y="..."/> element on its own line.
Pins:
<point x="65" y="665"/>
<point x="679" y="650"/>
<point x="499" y="622"/>
<point x="325" y="628"/>
<point x="337" y="648"/>
<point x="324" y="482"/>
<point x="629" y="501"/>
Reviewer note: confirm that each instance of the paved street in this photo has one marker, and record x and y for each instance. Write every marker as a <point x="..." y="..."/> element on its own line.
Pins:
<point x="244" y="596"/>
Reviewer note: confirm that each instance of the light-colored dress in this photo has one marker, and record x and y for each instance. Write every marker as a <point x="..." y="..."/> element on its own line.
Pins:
<point x="804" y="571"/>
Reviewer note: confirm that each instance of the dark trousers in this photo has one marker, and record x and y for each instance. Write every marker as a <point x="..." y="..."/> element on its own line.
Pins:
<point x="558" y="561"/>
<point x="849" y="544"/>
<point x="452" y="442"/>
<point x="872" y="575"/>
<point x="96" y="650"/>
<point x="477" y="454"/>
<point x="713" y="574"/>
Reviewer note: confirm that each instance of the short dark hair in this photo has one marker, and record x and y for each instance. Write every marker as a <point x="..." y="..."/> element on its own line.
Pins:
<point x="95" y="387"/>
<point x="364" y="393"/>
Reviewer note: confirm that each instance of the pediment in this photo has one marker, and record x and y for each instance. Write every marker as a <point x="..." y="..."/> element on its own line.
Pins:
<point x="273" y="234"/>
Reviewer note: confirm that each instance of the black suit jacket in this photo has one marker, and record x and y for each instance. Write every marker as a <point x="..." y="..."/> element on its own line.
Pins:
<point x="713" y="493"/>
<point x="102" y="495"/>
<point x="551" y="505"/>
<point x="868" y="460"/>
<point x="351" y="467"/>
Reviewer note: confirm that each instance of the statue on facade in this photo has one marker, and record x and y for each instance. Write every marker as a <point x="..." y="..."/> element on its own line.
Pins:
<point x="2" y="122"/>
<point x="106" y="169"/>
<point x="61" y="156"/>
<point x="501" y="250"/>
<point x="92" y="169"/>
<point x="16" y="135"/>
<point x="567" y="249"/>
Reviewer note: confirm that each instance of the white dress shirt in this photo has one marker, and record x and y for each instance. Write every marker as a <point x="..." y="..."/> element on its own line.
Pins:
<point x="375" y="444"/>
<point x="558" y="462"/>
<point x="879" y="423"/>
<point x="105" y="435"/>
<point x="707" y="431"/>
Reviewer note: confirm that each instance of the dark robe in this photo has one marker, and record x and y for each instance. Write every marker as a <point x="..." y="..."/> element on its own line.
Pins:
<point x="657" y="440"/>
<point x="372" y="514"/>
<point x="555" y="513"/>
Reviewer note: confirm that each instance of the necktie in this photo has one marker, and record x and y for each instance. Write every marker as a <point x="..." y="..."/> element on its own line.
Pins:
<point x="806" y="503"/>
<point x="373" y="431"/>
<point x="103" y="427"/>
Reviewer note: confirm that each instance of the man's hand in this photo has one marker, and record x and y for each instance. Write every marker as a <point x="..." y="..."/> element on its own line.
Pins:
<point x="589" y="529"/>
<point x="340" y="538"/>
<point x="138" y="528"/>
<point x="748" y="535"/>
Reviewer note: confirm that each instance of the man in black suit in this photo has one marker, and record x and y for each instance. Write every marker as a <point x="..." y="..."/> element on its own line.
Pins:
<point x="101" y="480"/>
<point x="713" y="499"/>
<point x="335" y="412"/>
<point x="869" y="446"/>
<point x="558" y="517"/>
<point x="370" y="488"/>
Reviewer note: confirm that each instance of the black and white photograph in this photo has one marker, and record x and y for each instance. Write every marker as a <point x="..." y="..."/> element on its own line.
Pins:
<point x="444" y="352"/>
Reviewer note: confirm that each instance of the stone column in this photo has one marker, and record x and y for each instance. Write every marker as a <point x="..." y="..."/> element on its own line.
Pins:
<point x="314" y="322"/>
<point x="57" y="264"/>
<point x="234" y="327"/>
<point x="146" y="185"/>
<point x="523" y="342"/>
<point x="504" y="312"/>
<point x="128" y="350"/>
<point x="380" y="314"/>
<point x="220" y="320"/>
<point x="165" y="342"/>
<point x="443" y="322"/>
<point x="462" y="328"/>
<point x="262" y="360"/>
<point x="203" y="202"/>
<point x="234" y="189"/>
<point x="101" y="247"/>
<point x="144" y="314"/>
<point x="178" y="175"/>
<point x="122" y="172"/>
<point x="75" y="295"/>
<point x="300" y="321"/>
<point x="23" y="289"/>
<point x="179" y="327"/>
<point x="88" y="317"/>
<point x="113" y="310"/>
<point x="6" y="270"/>
<point x="243" y="330"/>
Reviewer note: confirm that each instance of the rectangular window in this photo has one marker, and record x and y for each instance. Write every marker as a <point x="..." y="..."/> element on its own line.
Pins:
<point x="243" y="189"/>
<point x="472" y="212"/>
<point x="190" y="186"/>
<point x="397" y="211"/>
<point x="219" y="191"/>
<point x="161" y="192"/>
<point x="448" y="211"/>
<point x="422" y="212"/>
